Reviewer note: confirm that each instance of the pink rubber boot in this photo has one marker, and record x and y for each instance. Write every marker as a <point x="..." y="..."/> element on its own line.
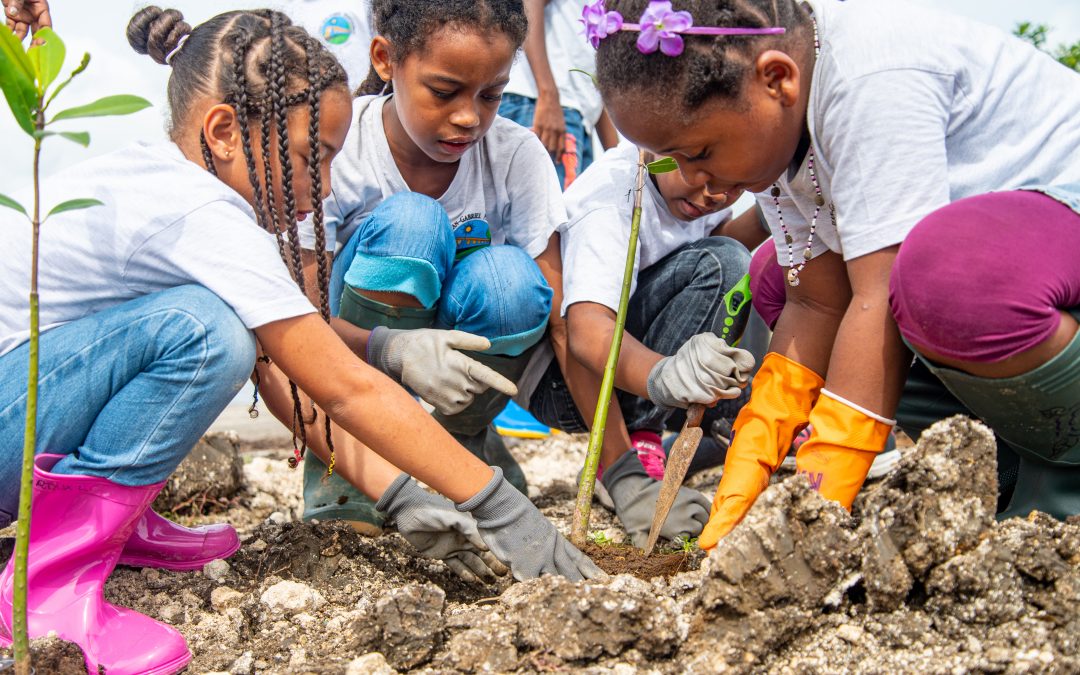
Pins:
<point x="159" y="542"/>
<point x="79" y="525"/>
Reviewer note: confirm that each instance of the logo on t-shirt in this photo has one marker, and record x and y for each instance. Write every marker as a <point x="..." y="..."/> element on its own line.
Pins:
<point x="337" y="29"/>
<point x="471" y="235"/>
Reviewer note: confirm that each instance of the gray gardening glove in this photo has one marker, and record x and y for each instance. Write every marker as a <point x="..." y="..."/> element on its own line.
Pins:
<point x="519" y="535"/>
<point x="634" y="494"/>
<point x="431" y="524"/>
<point x="704" y="370"/>
<point x="427" y="361"/>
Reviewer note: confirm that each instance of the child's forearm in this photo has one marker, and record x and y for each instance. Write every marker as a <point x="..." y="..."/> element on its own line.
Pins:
<point x="584" y="386"/>
<point x="591" y="327"/>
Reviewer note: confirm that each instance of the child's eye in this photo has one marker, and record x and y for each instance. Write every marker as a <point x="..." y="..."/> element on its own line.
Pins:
<point x="440" y="93"/>
<point x="492" y="98"/>
<point x="704" y="154"/>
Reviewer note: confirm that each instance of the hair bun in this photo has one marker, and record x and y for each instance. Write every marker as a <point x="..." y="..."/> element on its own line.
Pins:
<point x="156" y="32"/>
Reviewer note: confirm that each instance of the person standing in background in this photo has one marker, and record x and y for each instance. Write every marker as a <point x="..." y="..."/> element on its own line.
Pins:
<point x="563" y="107"/>
<point x="344" y="26"/>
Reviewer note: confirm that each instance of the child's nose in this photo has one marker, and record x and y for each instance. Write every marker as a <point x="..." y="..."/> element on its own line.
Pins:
<point x="466" y="115"/>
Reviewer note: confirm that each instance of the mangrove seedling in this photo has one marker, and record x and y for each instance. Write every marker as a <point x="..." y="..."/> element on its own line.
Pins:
<point x="26" y="77"/>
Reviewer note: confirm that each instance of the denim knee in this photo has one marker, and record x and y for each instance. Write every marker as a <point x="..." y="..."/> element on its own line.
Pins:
<point x="406" y="246"/>
<point x="497" y="292"/>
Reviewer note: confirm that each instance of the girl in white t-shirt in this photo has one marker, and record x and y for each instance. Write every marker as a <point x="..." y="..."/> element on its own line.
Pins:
<point x="153" y="307"/>
<point x="442" y="223"/>
<point x="864" y="125"/>
<point x="672" y="352"/>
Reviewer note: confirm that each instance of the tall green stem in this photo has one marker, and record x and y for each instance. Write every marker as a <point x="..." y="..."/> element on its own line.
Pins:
<point x="20" y="633"/>
<point x="580" y="526"/>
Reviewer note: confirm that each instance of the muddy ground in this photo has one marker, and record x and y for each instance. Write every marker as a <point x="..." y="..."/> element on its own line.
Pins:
<point x="921" y="579"/>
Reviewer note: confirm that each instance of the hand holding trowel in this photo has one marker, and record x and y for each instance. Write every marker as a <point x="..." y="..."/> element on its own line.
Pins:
<point x="737" y="309"/>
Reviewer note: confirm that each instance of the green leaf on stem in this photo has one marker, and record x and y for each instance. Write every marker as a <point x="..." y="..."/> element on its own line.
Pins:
<point x="80" y="137"/>
<point x="17" y="80"/>
<point x="122" y="104"/>
<point x="47" y="55"/>
<point x="590" y="75"/>
<point x="73" y="205"/>
<point x="665" y="165"/>
<point x="82" y="66"/>
<point x="12" y="204"/>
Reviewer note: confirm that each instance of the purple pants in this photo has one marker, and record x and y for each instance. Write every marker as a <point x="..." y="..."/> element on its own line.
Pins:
<point x="979" y="280"/>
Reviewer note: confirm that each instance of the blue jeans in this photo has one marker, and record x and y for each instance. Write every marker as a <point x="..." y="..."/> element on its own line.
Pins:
<point x="676" y="298"/>
<point x="521" y="109"/>
<point x="127" y="392"/>
<point x="407" y="246"/>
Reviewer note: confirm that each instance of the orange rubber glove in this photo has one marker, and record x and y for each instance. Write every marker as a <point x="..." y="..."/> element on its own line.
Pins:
<point x="841" y="448"/>
<point x="783" y="394"/>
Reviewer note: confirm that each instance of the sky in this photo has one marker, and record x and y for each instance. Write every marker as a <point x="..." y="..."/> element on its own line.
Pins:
<point x="98" y="28"/>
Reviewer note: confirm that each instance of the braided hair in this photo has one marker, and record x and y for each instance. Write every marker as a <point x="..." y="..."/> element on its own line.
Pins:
<point x="260" y="64"/>
<point x="711" y="66"/>
<point x="407" y="25"/>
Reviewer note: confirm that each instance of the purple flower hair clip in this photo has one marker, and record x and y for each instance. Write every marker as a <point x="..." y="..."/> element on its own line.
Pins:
<point x="661" y="27"/>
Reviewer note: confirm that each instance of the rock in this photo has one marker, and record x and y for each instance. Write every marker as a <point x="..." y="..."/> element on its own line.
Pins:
<point x="212" y="472"/>
<point x="939" y="501"/>
<point x="216" y="570"/>
<point x="369" y="664"/>
<point x="243" y="665"/>
<point x="587" y="620"/>
<point x="291" y="597"/>
<point x="223" y="598"/>
<point x="411" y="618"/>
<point x="488" y="647"/>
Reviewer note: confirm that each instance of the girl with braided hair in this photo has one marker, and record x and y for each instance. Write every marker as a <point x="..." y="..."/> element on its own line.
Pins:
<point x="188" y="269"/>
<point x="921" y="182"/>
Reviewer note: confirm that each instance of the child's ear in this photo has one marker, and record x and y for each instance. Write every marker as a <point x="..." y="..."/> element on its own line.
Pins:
<point x="380" y="58"/>
<point x="222" y="132"/>
<point x="780" y="75"/>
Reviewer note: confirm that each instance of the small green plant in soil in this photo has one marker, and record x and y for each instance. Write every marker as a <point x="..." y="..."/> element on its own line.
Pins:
<point x="26" y="78"/>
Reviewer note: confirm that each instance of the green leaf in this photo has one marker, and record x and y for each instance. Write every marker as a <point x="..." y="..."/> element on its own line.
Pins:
<point x="123" y="104"/>
<point x="12" y="204"/>
<point x="17" y="80"/>
<point x="592" y="77"/>
<point x="664" y="165"/>
<point x="47" y="55"/>
<point x="82" y="66"/>
<point x="80" y="137"/>
<point x="73" y="205"/>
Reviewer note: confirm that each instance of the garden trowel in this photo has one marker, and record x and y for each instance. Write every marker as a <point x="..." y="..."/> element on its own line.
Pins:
<point x="737" y="308"/>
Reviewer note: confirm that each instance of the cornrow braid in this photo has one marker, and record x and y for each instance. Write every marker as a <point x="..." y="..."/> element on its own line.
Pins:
<point x="262" y="66"/>
<point x="711" y="66"/>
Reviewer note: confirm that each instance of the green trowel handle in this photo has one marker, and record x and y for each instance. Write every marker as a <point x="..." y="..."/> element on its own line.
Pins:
<point x="736" y="311"/>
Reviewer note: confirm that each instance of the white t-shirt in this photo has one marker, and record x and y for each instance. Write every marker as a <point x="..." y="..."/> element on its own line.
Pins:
<point x="600" y="204"/>
<point x="567" y="48"/>
<point x="911" y="109"/>
<point x="344" y="27"/>
<point x="164" y="222"/>
<point x="505" y="183"/>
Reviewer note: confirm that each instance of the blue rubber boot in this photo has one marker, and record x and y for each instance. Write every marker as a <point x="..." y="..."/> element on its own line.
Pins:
<point x="516" y="422"/>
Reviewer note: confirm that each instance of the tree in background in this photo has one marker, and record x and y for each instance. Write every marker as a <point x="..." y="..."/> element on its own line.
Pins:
<point x="1069" y="55"/>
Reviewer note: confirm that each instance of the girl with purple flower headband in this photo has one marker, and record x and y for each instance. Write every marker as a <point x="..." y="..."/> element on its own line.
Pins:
<point x="919" y="177"/>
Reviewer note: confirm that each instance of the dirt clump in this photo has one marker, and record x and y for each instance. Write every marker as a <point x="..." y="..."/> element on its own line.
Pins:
<point x="624" y="559"/>
<point x="48" y="655"/>
<point x="210" y="475"/>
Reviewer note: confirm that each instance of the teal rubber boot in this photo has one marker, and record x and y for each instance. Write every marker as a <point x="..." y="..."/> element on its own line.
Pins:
<point x="332" y="497"/>
<point x="474" y="428"/>
<point x="1038" y="414"/>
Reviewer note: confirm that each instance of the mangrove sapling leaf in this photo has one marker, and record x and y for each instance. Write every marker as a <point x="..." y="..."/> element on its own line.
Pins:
<point x="122" y="104"/>
<point x="81" y="67"/>
<point x="80" y="137"/>
<point x="73" y="205"/>
<point x="25" y="77"/>
<point x="664" y="165"/>
<point x="17" y="80"/>
<point x="592" y="77"/>
<point x="579" y="528"/>
<point x="12" y="204"/>
<point x="47" y="56"/>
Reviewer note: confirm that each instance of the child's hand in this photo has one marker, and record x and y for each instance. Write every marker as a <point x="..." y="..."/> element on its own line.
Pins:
<point x="27" y="15"/>
<point x="704" y="370"/>
<point x="434" y="526"/>
<point x="519" y="535"/>
<point x="634" y="494"/>
<point x="427" y="361"/>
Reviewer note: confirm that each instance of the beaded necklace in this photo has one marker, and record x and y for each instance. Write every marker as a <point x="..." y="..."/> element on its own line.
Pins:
<point x="819" y="201"/>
